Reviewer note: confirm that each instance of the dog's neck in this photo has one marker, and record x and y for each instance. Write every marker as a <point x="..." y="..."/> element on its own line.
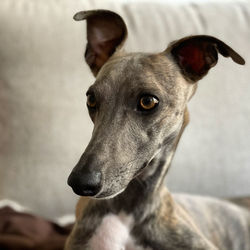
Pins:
<point x="148" y="187"/>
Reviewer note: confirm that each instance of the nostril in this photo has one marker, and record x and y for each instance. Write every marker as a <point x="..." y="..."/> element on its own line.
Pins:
<point x="85" y="184"/>
<point x="91" y="183"/>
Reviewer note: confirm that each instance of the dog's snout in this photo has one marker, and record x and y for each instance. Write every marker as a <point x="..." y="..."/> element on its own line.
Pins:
<point x="85" y="184"/>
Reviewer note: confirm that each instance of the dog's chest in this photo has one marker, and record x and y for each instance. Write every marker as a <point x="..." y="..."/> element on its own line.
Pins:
<point x="114" y="233"/>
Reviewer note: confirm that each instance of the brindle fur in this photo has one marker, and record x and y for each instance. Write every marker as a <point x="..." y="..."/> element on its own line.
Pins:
<point x="138" y="154"/>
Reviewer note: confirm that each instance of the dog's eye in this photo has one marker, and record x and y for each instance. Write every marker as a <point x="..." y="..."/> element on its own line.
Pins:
<point x="148" y="102"/>
<point x="91" y="101"/>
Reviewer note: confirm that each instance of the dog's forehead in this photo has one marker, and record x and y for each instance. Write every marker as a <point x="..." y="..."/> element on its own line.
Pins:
<point x="136" y="70"/>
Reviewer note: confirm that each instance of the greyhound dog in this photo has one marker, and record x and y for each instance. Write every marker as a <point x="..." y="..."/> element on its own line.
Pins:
<point x="138" y="105"/>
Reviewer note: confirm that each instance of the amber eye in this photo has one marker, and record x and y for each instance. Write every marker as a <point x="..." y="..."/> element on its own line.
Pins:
<point x="148" y="102"/>
<point x="91" y="101"/>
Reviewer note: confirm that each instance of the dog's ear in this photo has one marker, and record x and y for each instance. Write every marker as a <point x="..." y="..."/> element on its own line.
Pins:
<point x="195" y="55"/>
<point x="106" y="32"/>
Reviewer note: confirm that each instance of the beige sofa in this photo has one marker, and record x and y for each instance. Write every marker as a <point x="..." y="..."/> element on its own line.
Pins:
<point x="44" y="125"/>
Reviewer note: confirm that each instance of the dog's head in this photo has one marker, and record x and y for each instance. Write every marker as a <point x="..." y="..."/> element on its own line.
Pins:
<point x="137" y="102"/>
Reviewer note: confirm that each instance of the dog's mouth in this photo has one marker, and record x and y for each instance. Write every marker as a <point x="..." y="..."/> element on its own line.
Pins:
<point x="112" y="187"/>
<point x="106" y="196"/>
<point x="119" y="186"/>
<point x="107" y="184"/>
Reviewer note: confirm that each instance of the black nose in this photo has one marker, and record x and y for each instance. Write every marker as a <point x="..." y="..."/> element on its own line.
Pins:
<point x="85" y="184"/>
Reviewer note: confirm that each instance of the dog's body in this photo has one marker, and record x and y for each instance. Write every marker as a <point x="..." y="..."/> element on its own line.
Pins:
<point x="178" y="222"/>
<point x="138" y="105"/>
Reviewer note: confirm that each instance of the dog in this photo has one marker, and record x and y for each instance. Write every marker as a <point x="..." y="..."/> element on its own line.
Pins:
<point x="138" y="105"/>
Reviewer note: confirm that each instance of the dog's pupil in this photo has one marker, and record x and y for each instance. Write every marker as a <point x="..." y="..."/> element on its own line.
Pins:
<point x="148" y="101"/>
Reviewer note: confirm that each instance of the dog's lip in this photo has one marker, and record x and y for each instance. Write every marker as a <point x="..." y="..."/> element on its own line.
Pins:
<point x="100" y="197"/>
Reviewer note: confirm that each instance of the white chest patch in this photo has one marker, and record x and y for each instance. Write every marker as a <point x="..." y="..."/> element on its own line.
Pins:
<point x="114" y="233"/>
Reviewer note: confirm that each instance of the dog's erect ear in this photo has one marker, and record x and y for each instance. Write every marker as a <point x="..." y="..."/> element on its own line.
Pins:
<point x="195" y="55"/>
<point x="106" y="32"/>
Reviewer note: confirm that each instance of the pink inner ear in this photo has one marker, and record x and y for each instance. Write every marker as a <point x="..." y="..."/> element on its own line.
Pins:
<point x="191" y="57"/>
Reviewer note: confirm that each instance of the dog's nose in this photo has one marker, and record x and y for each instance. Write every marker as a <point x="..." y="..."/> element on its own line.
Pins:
<point x="85" y="184"/>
